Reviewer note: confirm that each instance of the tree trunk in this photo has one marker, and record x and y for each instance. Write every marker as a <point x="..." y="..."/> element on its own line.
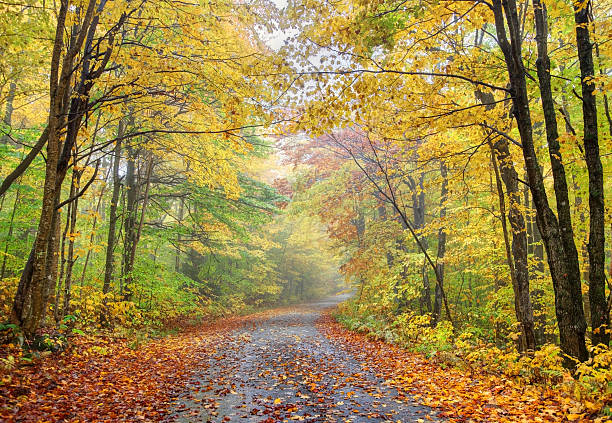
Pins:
<point x="65" y="115"/>
<point x="8" y="114"/>
<point x="437" y="306"/>
<point x="112" y="224"/>
<point x="518" y="257"/>
<point x="93" y="228"/>
<point x="58" y="291"/>
<point x="177" y="257"/>
<point x="600" y="316"/>
<point x="563" y="264"/>
<point x="129" y="223"/>
<point x="418" y="207"/>
<point x="71" y="258"/>
<point x="517" y="261"/>
<point x="30" y="303"/>
<point x="536" y="251"/>
<point x="143" y="209"/>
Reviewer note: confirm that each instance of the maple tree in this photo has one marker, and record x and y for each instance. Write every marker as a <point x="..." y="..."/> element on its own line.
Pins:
<point x="154" y="121"/>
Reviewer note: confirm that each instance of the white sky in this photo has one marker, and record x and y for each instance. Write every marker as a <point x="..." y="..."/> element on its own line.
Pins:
<point x="276" y="39"/>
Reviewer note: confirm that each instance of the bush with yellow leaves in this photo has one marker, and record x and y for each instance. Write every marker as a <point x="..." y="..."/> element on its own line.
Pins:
<point x="590" y="387"/>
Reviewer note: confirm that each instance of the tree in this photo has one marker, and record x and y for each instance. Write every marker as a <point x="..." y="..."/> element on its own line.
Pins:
<point x="453" y="50"/>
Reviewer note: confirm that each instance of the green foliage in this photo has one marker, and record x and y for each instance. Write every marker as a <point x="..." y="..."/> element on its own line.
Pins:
<point x="235" y="254"/>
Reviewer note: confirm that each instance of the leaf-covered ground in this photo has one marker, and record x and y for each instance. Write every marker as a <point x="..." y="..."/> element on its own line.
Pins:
<point x="108" y="379"/>
<point x="460" y="396"/>
<point x="282" y="365"/>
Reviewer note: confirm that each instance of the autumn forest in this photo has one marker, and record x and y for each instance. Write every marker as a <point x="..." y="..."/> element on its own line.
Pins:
<point x="270" y="210"/>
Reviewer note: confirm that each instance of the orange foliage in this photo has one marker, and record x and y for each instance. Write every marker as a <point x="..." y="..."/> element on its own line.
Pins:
<point x="102" y="379"/>
<point x="460" y="396"/>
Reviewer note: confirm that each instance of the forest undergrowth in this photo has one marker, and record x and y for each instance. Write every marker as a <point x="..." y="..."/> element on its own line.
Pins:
<point x="469" y="376"/>
<point x="106" y="376"/>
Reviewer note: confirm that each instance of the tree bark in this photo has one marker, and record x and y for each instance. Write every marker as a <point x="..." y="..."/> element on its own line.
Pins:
<point x="58" y="290"/>
<point x="177" y="257"/>
<point x="8" y="113"/>
<point x="418" y="207"/>
<point x="112" y="224"/>
<point x="71" y="259"/>
<point x="600" y="316"/>
<point x="535" y="249"/>
<point x="552" y="137"/>
<point x="517" y="260"/>
<point x="65" y="115"/>
<point x="143" y="209"/>
<point x="129" y="223"/>
<point x="93" y="228"/>
<point x="437" y="306"/>
<point x="564" y="270"/>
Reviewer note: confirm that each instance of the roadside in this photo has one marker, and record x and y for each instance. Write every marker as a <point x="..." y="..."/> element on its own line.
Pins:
<point x="288" y="364"/>
<point x="460" y="395"/>
<point x="101" y="378"/>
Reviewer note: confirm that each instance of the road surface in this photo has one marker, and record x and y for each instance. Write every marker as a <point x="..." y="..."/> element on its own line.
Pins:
<point x="283" y="369"/>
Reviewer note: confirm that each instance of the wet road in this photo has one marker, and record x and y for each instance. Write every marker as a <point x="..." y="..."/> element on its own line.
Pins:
<point x="284" y="369"/>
